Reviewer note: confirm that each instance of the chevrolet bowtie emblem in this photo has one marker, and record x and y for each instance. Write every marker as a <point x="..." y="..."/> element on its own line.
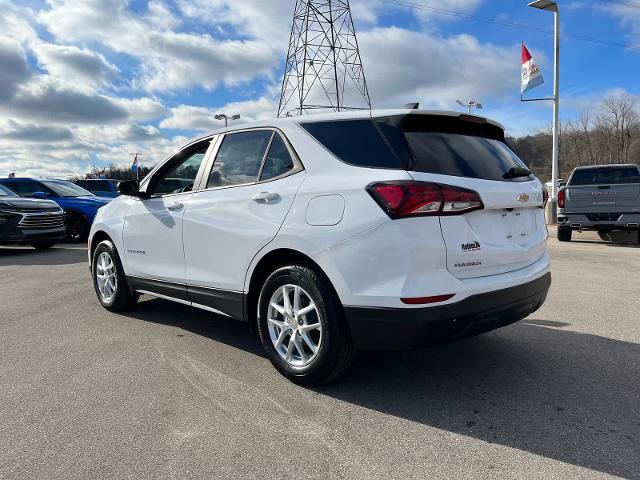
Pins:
<point x="524" y="198"/>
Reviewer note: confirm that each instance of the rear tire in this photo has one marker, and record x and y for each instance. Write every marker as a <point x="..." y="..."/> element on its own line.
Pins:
<point x="564" y="234"/>
<point x="307" y="340"/>
<point x="109" y="280"/>
<point x="43" y="245"/>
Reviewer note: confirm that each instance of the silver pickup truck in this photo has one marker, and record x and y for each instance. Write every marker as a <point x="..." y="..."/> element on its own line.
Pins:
<point x="602" y="198"/>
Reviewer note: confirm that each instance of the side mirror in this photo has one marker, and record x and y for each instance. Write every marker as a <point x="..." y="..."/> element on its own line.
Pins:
<point x="129" y="188"/>
<point x="41" y="195"/>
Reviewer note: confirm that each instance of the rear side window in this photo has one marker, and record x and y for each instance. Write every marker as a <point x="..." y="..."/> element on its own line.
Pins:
<point x="239" y="158"/>
<point x="278" y="160"/>
<point x="357" y="142"/>
<point x="605" y="175"/>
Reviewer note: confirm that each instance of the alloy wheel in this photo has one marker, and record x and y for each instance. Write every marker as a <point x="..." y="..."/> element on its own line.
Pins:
<point x="106" y="277"/>
<point x="294" y="325"/>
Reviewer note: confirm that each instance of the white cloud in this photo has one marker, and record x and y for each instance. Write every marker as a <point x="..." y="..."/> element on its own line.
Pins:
<point x="46" y="99"/>
<point x="187" y="117"/>
<point x="13" y="68"/>
<point x="74" y="64"/>
<point x="170" y="60"/>
<point x="405" y="66"/>
<point x="628" y="15"/>
<point x="160" y="16"/>
<point x="269" y="21"/>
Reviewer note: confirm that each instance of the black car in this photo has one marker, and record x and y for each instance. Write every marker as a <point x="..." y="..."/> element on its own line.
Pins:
<point x="27" y="221"/>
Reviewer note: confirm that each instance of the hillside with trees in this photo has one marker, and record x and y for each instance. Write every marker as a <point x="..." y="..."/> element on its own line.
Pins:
<point x="612" y="135"/>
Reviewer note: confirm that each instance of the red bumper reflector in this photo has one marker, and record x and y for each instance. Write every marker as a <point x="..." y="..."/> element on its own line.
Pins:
<point x="425" y="300"/>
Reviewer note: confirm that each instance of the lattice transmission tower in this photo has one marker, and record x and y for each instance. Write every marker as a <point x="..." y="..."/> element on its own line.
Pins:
<point x="323" y="68"/>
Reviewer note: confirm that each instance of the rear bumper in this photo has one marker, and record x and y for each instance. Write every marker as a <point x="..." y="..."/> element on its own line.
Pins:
<point x="399" y="329"/>
<point x="599" y="221"/>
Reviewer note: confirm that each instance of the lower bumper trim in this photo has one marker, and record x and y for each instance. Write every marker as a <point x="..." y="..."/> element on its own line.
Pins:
<point x="372" y="328"/>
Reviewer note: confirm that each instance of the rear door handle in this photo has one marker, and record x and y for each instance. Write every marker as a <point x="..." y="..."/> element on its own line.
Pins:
<point x="175" y="207"/>
<point x="265" y="197"/>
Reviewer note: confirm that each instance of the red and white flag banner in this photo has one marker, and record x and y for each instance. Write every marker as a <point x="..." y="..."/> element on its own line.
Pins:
<point x="531" y="74"/>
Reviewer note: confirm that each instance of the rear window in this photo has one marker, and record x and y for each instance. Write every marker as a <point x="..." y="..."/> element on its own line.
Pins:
<point x="605" y="176"/>
<point x="96" y="185"/>
<point x="461" y="147"/>
<point x="357" y="142"/>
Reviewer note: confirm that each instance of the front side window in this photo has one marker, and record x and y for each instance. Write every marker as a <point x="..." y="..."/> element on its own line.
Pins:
<point x="181" y="176"/>
<point x="239" y="159"/>
<point x="278" y="160"/>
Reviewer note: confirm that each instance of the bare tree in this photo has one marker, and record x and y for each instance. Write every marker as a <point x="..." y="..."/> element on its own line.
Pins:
<point x="620" y="116"/>
<point x="584" y="121"/>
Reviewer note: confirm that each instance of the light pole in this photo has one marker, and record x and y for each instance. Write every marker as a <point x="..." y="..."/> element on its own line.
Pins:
<point x="226" y="118"/>
<point x="469" y="105"/>
<point x="552" y="6"/>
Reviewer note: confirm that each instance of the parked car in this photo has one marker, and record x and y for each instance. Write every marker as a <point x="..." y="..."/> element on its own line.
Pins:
<point x="25" y="221"/>
<point x="332" y="233"/>
<point x="101" y="187"/>
<point x="604" y="198"/>
<point x="80" y="206"/>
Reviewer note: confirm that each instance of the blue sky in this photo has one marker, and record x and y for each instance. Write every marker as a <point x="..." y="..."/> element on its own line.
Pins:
<point x="85" y="82"/>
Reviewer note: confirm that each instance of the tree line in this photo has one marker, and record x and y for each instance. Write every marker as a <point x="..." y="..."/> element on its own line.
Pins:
<point x="612" y="135"/>
<point x="116" y="172"/>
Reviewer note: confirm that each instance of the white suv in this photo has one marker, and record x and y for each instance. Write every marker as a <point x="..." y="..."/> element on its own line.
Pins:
<point x="332" y="233"/>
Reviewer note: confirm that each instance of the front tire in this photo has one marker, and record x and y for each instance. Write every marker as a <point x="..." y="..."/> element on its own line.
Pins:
<point x="109" y="280"/>
<point x="564" y="234"/>
<point x="302" y="326"/>
<point x="77" y="228"/>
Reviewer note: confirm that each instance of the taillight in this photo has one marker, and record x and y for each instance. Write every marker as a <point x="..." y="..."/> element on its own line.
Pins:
<point x="561" y="199"/>
<point x="402" y="198"/>
<point x="545" y="196"/>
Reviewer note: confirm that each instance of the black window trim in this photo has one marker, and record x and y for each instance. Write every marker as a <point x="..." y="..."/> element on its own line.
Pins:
<point x="297" y="168"/>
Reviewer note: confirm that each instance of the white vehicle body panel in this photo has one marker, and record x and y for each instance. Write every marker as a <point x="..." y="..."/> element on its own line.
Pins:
<point x="225" y="228"/>
<point x="152" y="237"/>
<point x="220" y="236"/>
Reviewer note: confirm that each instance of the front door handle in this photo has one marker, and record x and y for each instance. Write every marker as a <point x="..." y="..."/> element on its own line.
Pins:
<point x="175" y="207"/>
<point x="265" y="197"/>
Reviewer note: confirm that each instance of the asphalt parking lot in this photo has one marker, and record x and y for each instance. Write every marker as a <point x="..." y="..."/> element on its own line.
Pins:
<point x="167" y="391"/>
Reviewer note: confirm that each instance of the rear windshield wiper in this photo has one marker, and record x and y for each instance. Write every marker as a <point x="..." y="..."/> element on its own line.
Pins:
<point x="517" y="172"/>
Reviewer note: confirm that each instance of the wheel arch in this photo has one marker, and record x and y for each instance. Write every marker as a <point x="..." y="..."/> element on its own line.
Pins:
<point x="99" y="236"/>
<point x="263" y="268"/>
